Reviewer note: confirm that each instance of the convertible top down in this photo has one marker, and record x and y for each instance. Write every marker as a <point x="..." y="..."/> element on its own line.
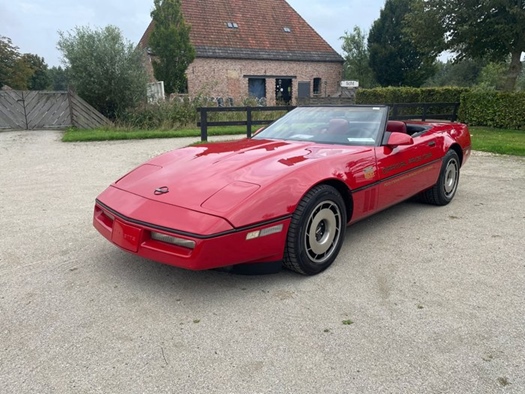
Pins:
<point x="285" y="195"/>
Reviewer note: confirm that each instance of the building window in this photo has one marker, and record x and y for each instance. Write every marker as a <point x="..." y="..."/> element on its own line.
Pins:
<point x="232" y="25"/>
<point x="287" y="30"/>
<point x="257" y="88"/>
<point x="317" y="85"/>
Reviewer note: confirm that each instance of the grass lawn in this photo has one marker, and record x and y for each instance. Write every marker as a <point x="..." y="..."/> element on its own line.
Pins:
<point x="506" y="142"/>
<point x="73" y="135"/>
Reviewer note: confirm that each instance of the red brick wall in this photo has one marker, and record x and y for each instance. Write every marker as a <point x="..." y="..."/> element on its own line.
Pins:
<point x="227" y="78"/>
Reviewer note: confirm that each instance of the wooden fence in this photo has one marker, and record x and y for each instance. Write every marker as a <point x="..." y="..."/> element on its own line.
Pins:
<point x="31" y="110"/>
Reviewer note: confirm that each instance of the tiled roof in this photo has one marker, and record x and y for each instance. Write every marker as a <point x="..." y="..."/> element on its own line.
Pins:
<point x="266" y="30"/>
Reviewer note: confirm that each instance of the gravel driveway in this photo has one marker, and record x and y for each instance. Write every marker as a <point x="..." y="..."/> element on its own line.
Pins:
<point x="436" y="296"/>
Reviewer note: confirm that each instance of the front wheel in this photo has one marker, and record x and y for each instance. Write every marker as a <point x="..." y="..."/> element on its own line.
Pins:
<point x="445" y="189"/>
<point x="316" y="231"/>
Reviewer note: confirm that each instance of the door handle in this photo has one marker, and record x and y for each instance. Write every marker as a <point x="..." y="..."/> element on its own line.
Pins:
<point x="432" y="143"/>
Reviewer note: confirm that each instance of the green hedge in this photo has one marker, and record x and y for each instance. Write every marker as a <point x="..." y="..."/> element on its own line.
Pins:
<point x="393" y="95"/>
<point x="500" y="110"/>
<point x="478" y="108"/>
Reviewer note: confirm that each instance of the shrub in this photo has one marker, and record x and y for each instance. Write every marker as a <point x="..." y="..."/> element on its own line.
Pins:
<point x="164" y="115"/>
<point x="392" y="95"/>
<point x="182" y="112"/>
<point x="502" y="110"/>
<point x="104" y="68"/>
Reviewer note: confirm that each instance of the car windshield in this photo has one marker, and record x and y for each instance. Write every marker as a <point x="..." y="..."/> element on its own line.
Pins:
<point x="357" y="125"/>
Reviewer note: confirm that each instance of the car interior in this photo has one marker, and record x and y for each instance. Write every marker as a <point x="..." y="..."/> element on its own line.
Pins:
<point x="414" y="130"/>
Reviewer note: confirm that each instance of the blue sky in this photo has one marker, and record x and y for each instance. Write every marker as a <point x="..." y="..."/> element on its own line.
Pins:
<point x="32" y="25"/>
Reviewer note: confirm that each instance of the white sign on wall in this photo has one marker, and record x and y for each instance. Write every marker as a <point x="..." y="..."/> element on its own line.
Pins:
<point x="349" y="84"/>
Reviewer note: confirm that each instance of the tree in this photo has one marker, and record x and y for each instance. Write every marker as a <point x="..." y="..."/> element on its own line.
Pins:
<point x="58" y="78"/>
<point x="394" y="58"/>
<point x="464" y="73"/>
<point x="103" y="68"/>
<point x="14" y="71"/>
<point x="171" y="46"/>
<point x="492" y="76"/>
<point x="39" y="79"/>
<point x="8" y="55"/>
<point x="479" y="29"/>
<point x="357" y="58"/>
<point x="21" y="75"/>
<point x="521" y="79"/>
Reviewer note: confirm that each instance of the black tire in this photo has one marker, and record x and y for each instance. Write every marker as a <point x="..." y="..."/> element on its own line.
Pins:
<point x="316" y="231"/>
<point x="445" y="189"/>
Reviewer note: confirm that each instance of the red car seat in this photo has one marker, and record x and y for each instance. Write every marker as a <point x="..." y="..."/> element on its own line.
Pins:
<point x="396" y="126"/>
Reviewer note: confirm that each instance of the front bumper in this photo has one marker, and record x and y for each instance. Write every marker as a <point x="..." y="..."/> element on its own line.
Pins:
<point x="128" y="229"/>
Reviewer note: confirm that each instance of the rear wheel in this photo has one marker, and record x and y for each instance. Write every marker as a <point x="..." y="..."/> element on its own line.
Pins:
<point x="316" y="231"/>
<point x="445" y="189"/>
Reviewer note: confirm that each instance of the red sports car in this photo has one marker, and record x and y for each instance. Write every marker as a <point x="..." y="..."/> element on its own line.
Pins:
<point x="284" y="196"/>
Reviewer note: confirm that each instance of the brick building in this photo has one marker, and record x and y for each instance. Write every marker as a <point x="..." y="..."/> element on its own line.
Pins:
<point x="263" y="48"/>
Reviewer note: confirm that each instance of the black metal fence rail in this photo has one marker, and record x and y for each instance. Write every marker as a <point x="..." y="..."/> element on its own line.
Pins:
<point x="249" y="122"/>
<point x="403" y="111"/>
<point x="424" y="111"/>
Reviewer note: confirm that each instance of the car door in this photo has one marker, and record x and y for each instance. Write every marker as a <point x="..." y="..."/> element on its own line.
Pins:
<point x="405" y="170"/>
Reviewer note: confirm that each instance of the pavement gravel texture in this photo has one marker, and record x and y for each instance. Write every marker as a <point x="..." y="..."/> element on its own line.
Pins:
<point x="421" y="299"/>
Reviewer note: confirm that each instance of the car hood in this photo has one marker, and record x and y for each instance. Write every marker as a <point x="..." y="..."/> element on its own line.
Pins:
<point x="216" y="177"/>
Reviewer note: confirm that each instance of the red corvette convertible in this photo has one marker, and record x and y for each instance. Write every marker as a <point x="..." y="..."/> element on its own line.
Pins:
<point x="284" y="196"/>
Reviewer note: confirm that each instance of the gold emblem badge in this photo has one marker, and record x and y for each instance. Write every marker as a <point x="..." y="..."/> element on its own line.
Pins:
<point x="369" y="172"/>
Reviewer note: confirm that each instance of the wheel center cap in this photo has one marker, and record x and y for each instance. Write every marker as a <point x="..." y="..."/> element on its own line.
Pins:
<point x="319" y="232"/>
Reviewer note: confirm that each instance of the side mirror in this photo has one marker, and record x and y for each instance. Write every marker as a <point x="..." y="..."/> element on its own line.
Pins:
<point x="397" y="139"/>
